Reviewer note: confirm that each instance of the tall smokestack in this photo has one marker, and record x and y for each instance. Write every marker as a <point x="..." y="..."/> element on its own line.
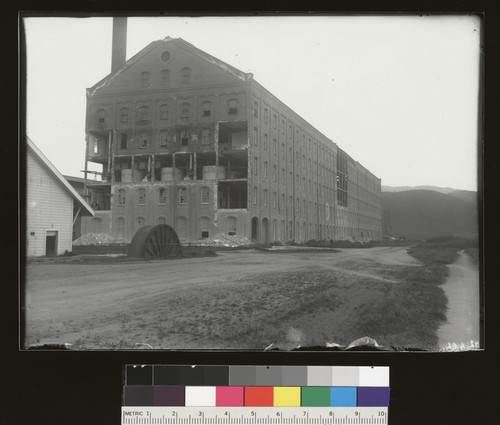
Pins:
<point x="119" y="48"/>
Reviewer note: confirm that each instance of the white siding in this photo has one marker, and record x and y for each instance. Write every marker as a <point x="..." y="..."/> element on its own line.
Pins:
<point x="49" y="207"/>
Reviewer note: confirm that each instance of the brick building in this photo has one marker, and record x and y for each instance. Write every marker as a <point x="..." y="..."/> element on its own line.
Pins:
<point x="188" y="140"/>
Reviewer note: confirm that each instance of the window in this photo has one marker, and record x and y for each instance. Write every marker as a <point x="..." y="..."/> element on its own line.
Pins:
<point x="123" y="140"/>
<point x="290" y="203"/>
<point x="163" y="139"/>
<point x="266" y="113"/>
<point x="274" y="199"/>
<point x="255" y="137"/>
<point x="282" y="126"/>
<point x="265" y="141"/>
<point x="184" y="138"/>
<point x="282" y="176"/>
<point x="231" y="225"/>
<point x="275" y="172"/>
<point x="182" y="195"/>
<point x="143" y="113"/>
<point x="145" y="78"/>
<point x="121" y="197"/>
<point x="143" y="140"/>
<point x="101" y="116"/>
<point x="162" y="195"/>
<point x="141" y="196"/>
<point x="165" y="76"/>
<point x="265" y="197"/>
<point x="275" y="121"/>
<point x="283" y="151"/>
<point x="186" y="75"/>
<point x="255" y="162"/>
<point x="275" y="146"/>
<point x="205" y="136"/>
<point x="282" y="201"/>
<point x="256" y="109"/>
<point x="205" y="195"/>
<point x="206" y="108"/>
<point x="185" y="112"/>
<point x="164" y="112"/>
<point x="265" y="170"/>
<point x="182" y="227"/>
<point x="124" y="115"/>
<point x="204" y="227"/>
<point x="165" y="56"/>
<point x="95" y="145"/>
<point x="233" y="107"/>
<point x="254" y="196"/>
<point x="162" y="220"/>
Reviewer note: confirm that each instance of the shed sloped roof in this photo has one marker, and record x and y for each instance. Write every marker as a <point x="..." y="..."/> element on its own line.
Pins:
<point x="85" y="208"/>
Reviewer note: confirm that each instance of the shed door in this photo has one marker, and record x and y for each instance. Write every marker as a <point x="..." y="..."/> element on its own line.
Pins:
<point x="51" y="243"/>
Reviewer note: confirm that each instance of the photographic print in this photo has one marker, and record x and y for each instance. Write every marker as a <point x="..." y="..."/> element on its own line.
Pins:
<point x="270" y="182"/>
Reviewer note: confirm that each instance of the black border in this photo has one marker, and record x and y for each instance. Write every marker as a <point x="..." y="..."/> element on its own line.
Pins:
<point x="51" y="387"/>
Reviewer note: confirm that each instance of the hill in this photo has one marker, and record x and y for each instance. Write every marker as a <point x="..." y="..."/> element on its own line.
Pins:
<point x="422" y="214"/>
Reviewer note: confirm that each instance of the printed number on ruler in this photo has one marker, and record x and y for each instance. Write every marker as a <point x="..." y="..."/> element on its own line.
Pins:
<point x="259" y="415"/>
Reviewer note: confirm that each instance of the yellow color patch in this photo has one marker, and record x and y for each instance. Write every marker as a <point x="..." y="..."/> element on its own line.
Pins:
<point x="287" y="396"/>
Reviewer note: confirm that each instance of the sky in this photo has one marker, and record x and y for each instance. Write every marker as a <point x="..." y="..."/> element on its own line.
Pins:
<point x="398" y="93"/>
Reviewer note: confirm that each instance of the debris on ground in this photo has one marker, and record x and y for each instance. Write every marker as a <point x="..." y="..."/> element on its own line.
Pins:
<point x="95" y="239"/>
<point x="223" y="240"/>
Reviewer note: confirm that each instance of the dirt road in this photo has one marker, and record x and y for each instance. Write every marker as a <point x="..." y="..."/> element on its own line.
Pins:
<point x="171" y="304"/>
<point x="462" y="290"/>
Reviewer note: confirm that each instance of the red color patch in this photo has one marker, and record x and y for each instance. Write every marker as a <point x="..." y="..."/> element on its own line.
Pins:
<point x="259" y="396"/>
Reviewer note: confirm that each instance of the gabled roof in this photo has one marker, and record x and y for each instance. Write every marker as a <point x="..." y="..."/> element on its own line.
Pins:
<point x="180" y="43"/>
<point x="86" y="209"/>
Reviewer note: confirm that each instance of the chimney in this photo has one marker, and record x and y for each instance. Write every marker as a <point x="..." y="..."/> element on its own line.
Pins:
<point x="119" y="47"/>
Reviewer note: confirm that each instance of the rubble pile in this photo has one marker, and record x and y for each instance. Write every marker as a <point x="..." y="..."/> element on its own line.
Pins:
<point x="94" y="239"/>
<point x="223" y="240"/>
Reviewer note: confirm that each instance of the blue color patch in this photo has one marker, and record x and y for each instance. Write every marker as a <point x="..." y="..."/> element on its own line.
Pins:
<point x="343" y="396"/>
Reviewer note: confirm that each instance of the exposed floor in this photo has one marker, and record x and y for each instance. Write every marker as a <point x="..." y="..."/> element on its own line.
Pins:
<point x="462" y="291"/>
<point x="117" y="305"/>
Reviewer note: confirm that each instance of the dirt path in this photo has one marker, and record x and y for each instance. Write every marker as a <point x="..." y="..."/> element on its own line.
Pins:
<point x="462" y="291"/>
<point x="105" y="305"/>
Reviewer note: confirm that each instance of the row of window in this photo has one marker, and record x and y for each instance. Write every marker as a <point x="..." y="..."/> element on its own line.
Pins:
<point x="161" y="196"/>
<point x="185" y="76"/>
<point x="185" y="109"/>
<point x="165" y="138"/>
<point x="181" y="225"/>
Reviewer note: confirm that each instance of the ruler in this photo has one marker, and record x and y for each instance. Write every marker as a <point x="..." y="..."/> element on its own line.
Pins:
<point x="159" y="415"/>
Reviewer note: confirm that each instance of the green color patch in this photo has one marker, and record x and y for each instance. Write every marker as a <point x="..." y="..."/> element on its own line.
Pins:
<point x="315" y="396"/>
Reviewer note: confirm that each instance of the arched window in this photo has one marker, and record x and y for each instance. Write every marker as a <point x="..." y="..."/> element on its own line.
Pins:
<point x="254" y="195"/>
<point x="186" y="75"/>
<point x="101" y="116"/>
<point x="182" y="195"/>
<point x="265" y="141"/>
<point x="120" y="227"/>
<point x="256" y="109"/>
<point x="206" y="108"/>
<point x="121" y="197"/>
<point x="145" y="78"/>
<point x="141" y="196"/>
<point x="164" y="112"/>
<point x="141" y="221"/>
<point x="165" y="76"/>
<point x="265" y="170"/>
<point x="124" y="115"/>
<point x="144" y="113"/>
<point x="231" y="225"/>
<point x="185" y="112"/>
<point x="205" y="195"/>
<point x="233" y="107"/>
<point x="162" y="195"/>
<point x="205" y="227"/>
<point x="182" y="227"/>
<point x="265" y="197"/>
<point x="162" y="220"/>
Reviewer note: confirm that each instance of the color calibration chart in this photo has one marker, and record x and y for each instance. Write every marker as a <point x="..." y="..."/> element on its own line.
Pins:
<point x="181" y="394"/>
